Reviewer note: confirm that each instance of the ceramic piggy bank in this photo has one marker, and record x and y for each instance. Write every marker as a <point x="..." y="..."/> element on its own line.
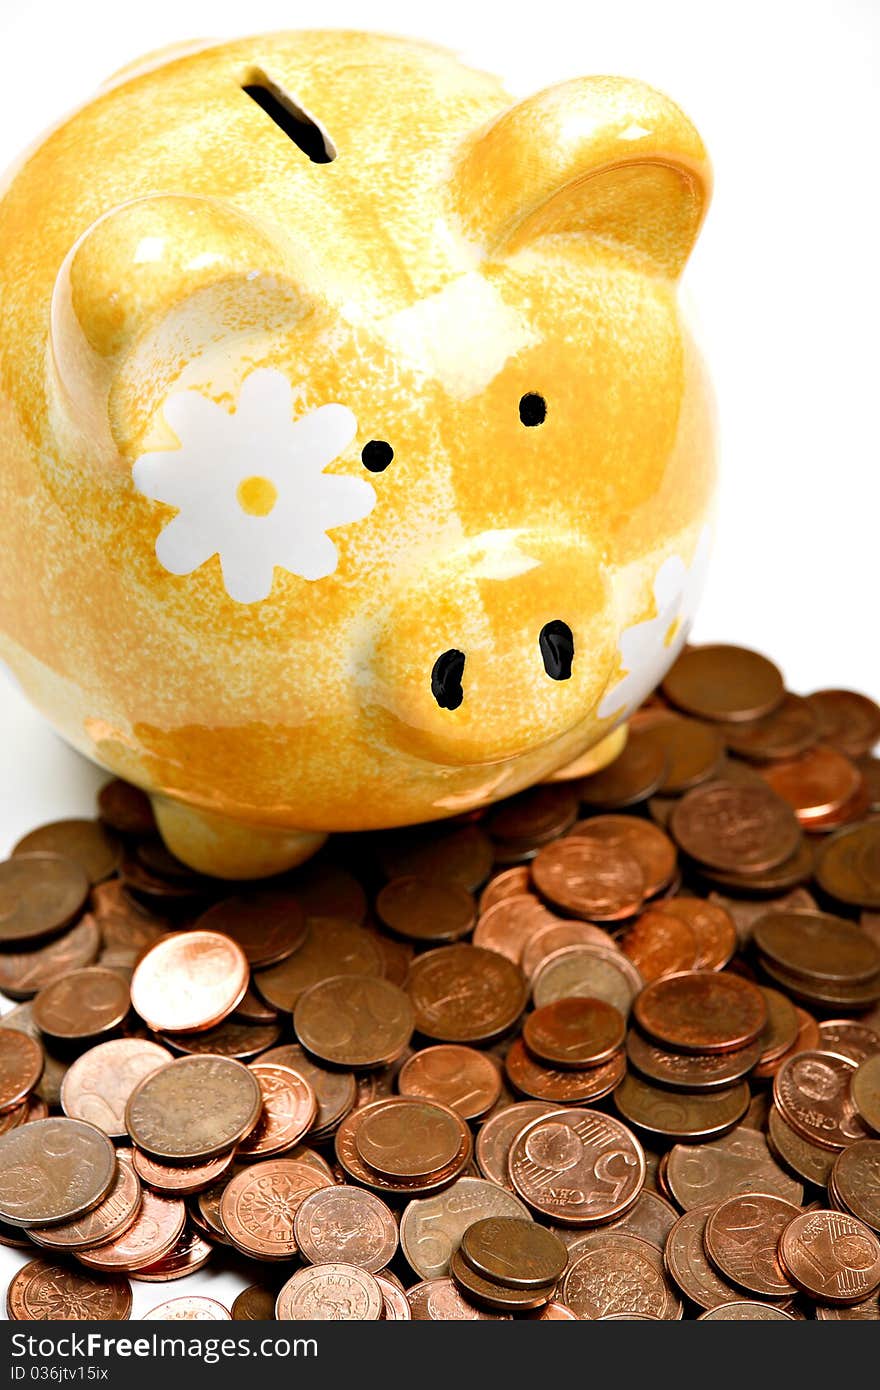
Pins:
<point x="356" y="458"/>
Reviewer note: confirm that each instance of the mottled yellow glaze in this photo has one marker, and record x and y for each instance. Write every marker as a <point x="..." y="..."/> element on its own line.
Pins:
<point x="458" y="253"/>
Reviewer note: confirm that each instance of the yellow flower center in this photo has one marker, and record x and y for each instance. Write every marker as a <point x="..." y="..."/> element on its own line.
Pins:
<point x="256" y="496"/>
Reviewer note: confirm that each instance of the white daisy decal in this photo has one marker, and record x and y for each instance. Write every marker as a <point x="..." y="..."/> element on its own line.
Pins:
<point x="251" y="487"/>
<point x="648" y="649"/>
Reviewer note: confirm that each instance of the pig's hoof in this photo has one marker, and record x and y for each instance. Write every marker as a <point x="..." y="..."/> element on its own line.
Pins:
<point x="595" y="758"/>
<point x="213" y="844"/>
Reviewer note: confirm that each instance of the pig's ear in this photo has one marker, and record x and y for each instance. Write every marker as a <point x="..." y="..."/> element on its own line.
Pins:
<point x="600" y="157"/>
<point x="155" y="283"/>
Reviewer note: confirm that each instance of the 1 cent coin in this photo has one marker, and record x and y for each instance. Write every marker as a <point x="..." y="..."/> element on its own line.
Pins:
<point x="189" y="981"/>
<point x="83" y="1004"/>
<point x="460" y="1077"/>
<point x="832" y="1256"/>
<point x="702" y="1011"/>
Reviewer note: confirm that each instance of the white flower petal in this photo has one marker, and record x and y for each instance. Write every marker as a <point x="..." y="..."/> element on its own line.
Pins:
<point x="265" y="402"/>
<point x="321" y="436"/>
<point x="183" y="545"/>
<point x="195" y="419"/>
<point x="248" y="572"/>
<point x="341" y="499"/>
<point x="313" y="558"/>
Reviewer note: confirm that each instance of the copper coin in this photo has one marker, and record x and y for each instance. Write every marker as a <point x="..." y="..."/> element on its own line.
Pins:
<point x="693" y="750"/>
<point x="191" y="1308"/>
<point x="188" y="1253"/>
<point x="497" y="1133"/>
<point x="424" y="909"/>
<point x="679" y="1114"/>
<point x="465" y="994"/>
<point x="268" y="925"/>
<point x="153" y="1233"/>
<point x="701" y="1011"/>
<point x="395" y="1305"/>
<point x="509" y="925"/>
<point x="814" y="784"/>
<point x="736" y="1163"/>
<point x="259" y="1204"/>
<point x="252" y="1009"/>
<point x="189" y="981"/>
<point x="354" y="1020"/>
<point x="744" y="829"/>
<point x="741" y="1238"/>
<point x="48" y="1088"/>
<point x="231" y="1038"/>
<point x="587" y="972"/>
<point x="791" y="872"/>
<point x="533" y="817"/>
<point x="660" y="943"/>
<point x="588" y="878"/>
<point x="651" y="1217"/>
<point x="440" y="1300"/>
<point x="289" y="1107"/>
<point x="460" y="1077"/>
<point x="818" y="946"/>
<point x="633" y="776"/>
<point x="332" y="947"/>
<point x="193" y="1108"/>
<point x="577" y="1032"/>
<point x="724" y="682"/>
<point x="653" y="850"/>
<point x="98" y="1084"/>
<point x="346" y="1225"/>
<point x="782" y="1028"/>
<point x="786" y="732"/>
<point x="40" y="894"/>
<point x="126" y="808"/>
<point x="579" y="1167"/>
<point x="568" y="1086"/>
<point x="330" y="1292"/>
<point x="616" y="1273"/>
<point x="848" y="1038"/>
<point x="431" y="1228"/>
<point x="43" y="1291"/>
<point x="514" y="1251"/>
<point x="327" y="889"/>
<point x="461" y="855"/>
<point x="256" y="1303"/>
<point x="84" y="842"/>
<point x="865" y="1089"/>
<point x="744" y="1310"/>
<point x="335" y="1091"/>
<point x="555" y="936"/>
<point x="712" y="926"/>
<point x="108" y="1219"/>
<point x="24" y="973"/>
<point x="492" y="1294"/>
<point x="688" y="1070"/>
<point x="828" y="994"/>
<point x="21" y="1066"/>
<point x="812" y="1090"/>
<point x="848" y="721"/>
<point x="810" y="1162"/>
<point x="507" y="884"/>
<point x="53" y="1171"/>
<point x="868" y="1311"/>
<point x="177" y="1180"/>
<point x="83" y="1004"/>
<point x="686" y="1261"/>
<point x="394" y="1146"/>
<point x="832" y="1256"/>
<point x="848" y="866"/>
<point x="855" y="1181"/>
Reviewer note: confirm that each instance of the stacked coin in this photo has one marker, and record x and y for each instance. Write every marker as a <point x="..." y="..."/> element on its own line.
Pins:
<point x="609" y="1050"/>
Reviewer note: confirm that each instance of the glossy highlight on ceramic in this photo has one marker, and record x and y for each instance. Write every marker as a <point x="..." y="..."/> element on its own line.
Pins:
<point x="357" y="461"/>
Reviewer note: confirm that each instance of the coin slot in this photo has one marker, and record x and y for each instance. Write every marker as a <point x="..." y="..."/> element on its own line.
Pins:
<point x="296" y="122"/>
<point x="446" y="679"/>
<point x="557" y="649"/>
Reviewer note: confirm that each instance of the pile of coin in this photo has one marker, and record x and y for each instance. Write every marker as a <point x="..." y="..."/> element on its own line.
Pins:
<point x="609" y="1050"/>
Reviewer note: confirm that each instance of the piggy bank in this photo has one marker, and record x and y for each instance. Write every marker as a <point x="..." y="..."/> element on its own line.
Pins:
<point x="357" y="460"/>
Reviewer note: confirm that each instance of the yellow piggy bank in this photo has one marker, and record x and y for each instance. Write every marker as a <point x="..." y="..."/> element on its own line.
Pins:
<point x="356" y="460"/>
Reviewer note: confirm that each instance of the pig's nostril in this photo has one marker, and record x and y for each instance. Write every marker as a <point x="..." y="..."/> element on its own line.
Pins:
<point x="446" y="679"/>
<point x="557" y="649"/>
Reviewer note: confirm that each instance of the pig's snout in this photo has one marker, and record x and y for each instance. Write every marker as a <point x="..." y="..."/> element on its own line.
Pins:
<point x="493" y="648"/>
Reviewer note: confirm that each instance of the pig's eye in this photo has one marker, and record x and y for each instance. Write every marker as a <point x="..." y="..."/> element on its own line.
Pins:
<point x="532" y="408"/>
<point x="376" y="455"/>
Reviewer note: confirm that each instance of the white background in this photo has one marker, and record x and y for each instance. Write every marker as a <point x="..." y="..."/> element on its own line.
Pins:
<point x="784" y="283"/>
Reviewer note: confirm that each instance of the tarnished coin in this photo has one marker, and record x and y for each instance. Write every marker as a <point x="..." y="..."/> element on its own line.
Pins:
<point x="848" y="865"/>
<point x="21" y="1066"/>
<point x="741" y="1238"/>
<point x="724" y="682"/>
<point x="588" y="878"/>
<point x="190" y="1308"/>
<point x="460" y="1077"/>
<point x="43" y="1291"/>
<point x="346" y="1225"/>
<point x="189" y="981"/>
<point x="508" y="883"/>
<point x="787" y="731"/>
<point x="152" y="1234"/>
<point x="812" y="1090"/>
<point x="335" y="1091"/>
<point x="832" y="1256"/>
<point x="524" y="822"/>
<point x="425" y="909"/>
<point x="809" y="1161"/>
<point x="231" y="1038"/>
<point x="694" y="751"/>
<point x="53" y="1171"/>
<point x="633" y="776"/>
<point x="555" y="936"/>
<point x="330" y="948"/>
<point x="680" y="1114"/>
<point x="686" y="1261"/>
<point x="98" y="1084"/>
<point x="268" y="925"/>
<point x="660" y="943"/>
<point x="650" y="847"/>
<point x="126" y="808"/>
<point x="408" y="1138"/>
<point x="868" y="1311"/>
<point x="498" y="1132"/>
<point x="465" y="994"/>
<point x="579" y="1167"/>
<point x="744" y="1310"/>
<point x="510" y="925"/>
<point x="739" y="828"/>
<point x="84" y="842"/>
<point x="817" y="946"/>
<point x="256" y="1303"/>
<point x="104" y="1222"/>
<point x="354" y="1020"/>
<point x="782" y="1027"/>
<point x="587" y="972"/>
<point x="493" y="1294"/>
<point x="562" y="1086"/>
<point x="440" y="1300"/>
<point x="736" y="1163"/>
<point x="865" y="1090"/>
<point x="431" y="1228"/>
<point x="84" y="1004"/>
<point x="615" y="1273"/>
<point x="848" y="1038"/>
<point x="462" y="854"/>
<point x="24" y="973"/>
<point x="48" y="1088"/>
<point x="848" y="720"/>
<point x="330" y="1292"/>
<point x="193" y="1108"/>
<point x="258" y="1206"/>
<point x="40" y="894"/>
<point x="289" y="1107"/>
<point x="514" y="1251"/>
<point x="575" y="1032"/>
<point x="855" y="1181"/>
<point x="177" y="1180"/>
<point x="702" y="1011"/>
<point x="690" y="1071"/>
